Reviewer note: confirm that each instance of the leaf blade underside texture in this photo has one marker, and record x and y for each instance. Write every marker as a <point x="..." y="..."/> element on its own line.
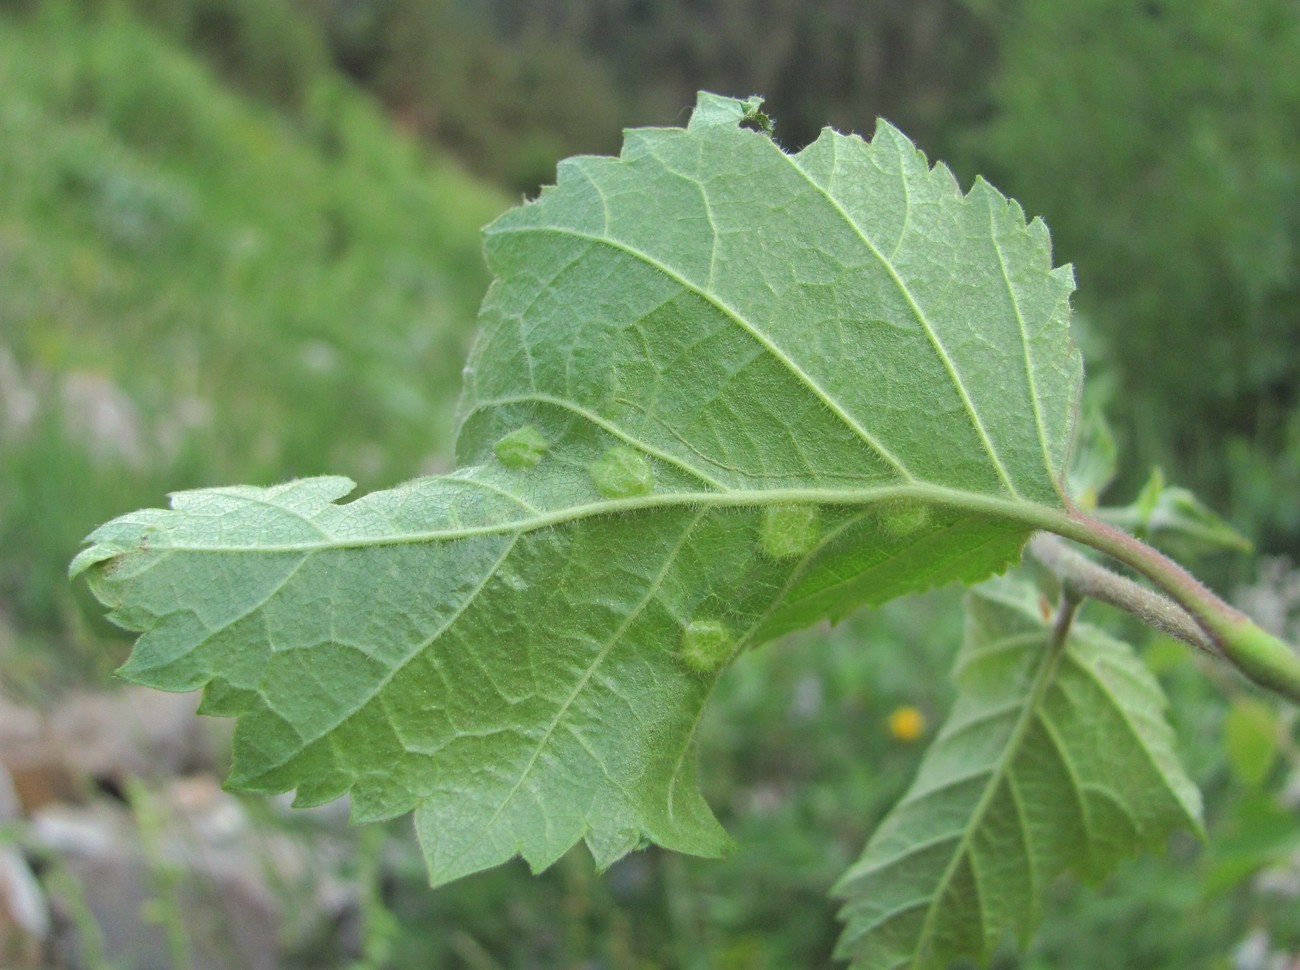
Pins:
<point x="720" y="392"/>
<point x="1050" y="762"/>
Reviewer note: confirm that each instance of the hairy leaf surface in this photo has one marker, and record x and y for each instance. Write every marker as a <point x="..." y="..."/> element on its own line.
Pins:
<point x="720" y="392"/>
<point x="1052" y="760"/>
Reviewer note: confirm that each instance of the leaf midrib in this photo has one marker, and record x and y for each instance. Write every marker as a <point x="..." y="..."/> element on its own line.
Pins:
<point x="1031" y="514"/>
<point x="1044" y="677"/>
<point x="1030" y="369"/>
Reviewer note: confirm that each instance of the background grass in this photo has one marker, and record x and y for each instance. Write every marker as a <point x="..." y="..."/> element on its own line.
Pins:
<point x="197" y="289"/>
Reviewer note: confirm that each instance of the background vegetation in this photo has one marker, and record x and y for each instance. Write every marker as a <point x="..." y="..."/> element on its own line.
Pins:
<point x="239" y="242"/>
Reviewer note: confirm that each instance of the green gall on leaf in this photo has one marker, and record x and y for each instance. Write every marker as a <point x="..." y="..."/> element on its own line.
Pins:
<point x="901" y="519"/>
<point x="522" y="448"/>
<point x="706" y="645"/>
<point x="622" y="473"/>
<point x="790" y="530"/>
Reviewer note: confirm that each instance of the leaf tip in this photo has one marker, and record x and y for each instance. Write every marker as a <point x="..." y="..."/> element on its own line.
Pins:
<point x="715" y="110"/>
<point x="91" y="556"/>
<point x="893" y="135"/>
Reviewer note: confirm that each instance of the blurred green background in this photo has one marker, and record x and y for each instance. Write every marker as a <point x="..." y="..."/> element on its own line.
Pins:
<point x="239" y="242"/>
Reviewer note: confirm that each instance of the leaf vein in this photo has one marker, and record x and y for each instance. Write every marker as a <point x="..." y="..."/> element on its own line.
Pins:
<point x="610" y="643"/>
<point x="1030" y="374"/>
<point x="922" y="318"/>
<point x="737" y="318"/>
<point x="1123" y="709"/>
<point x="1032" y="699"/>
<point x="604" y="425"/>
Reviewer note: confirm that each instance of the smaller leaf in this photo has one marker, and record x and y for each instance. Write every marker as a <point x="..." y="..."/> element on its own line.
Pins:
<point x="1174" y="519"/>
<point x="1095" y="457"/>
<point x="1259" y="833"/>
<point x="1053" y="760"/>
<point x="1144" y="506"/>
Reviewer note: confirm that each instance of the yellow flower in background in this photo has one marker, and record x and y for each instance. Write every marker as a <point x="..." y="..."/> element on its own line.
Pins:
<point x="906" y="723"/>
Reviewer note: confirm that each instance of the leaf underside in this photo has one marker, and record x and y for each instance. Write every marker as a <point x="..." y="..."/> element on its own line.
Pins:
<point x="1050" y="762"/>
<point x="720" y="392"/>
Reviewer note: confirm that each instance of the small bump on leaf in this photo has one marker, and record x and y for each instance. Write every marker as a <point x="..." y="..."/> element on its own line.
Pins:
<point x="790" y="530"/>
<point x="522" y="448"/>
<point x="706" y="645"/>
<point x="902" y="518"/>
<point x="622" y="473"/>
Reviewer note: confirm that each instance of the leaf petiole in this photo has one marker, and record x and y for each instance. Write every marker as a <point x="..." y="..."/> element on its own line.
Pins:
<point x="1262" y="657"/>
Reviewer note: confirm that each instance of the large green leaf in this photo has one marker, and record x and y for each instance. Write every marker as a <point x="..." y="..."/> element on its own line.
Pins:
<point x="1052" y="760"/>
<point x="721" y="391"/>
